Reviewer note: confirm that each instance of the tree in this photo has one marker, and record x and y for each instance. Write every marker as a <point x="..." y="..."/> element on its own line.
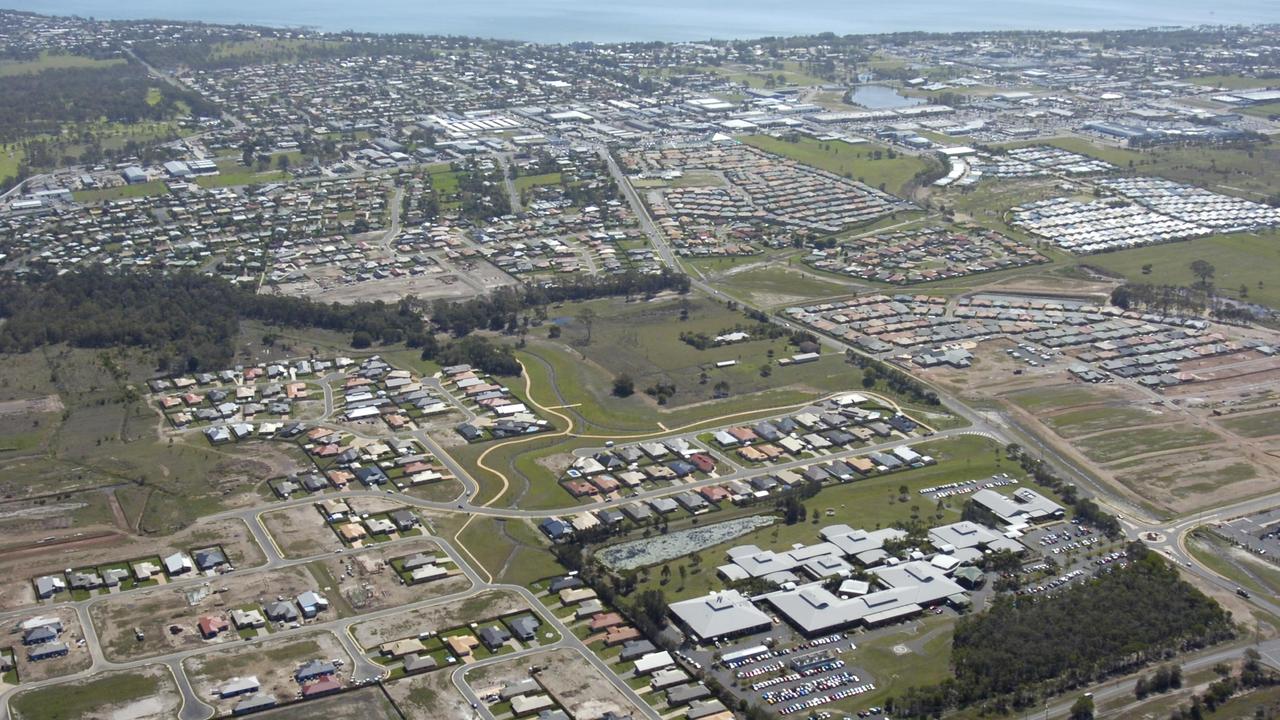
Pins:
<point x="1203" y="270"/>
<point x="624" y="386"/>
<point x="587" y="317"/>
<point x="721" y="389"/>
<point x="1082" y="709"/>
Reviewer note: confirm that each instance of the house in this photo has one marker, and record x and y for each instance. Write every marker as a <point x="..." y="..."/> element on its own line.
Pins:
<point x="404" y="520"/>
<point x="604" y="621"/>
<point x="635" y="649"/>
<point x="419" y="663"/>
<point x="41" y="635"/>
<point x="494" y="637"/>
<point x="685" y="694"/>
<point x="45" y="651"/>
<point x="321" y="686"/>
<point x="314" y="669"/>
<point x="530" y="704"/>
<point x="312" y="603"/>
<point x="653" y="662"/>
<point x="244" y="619"/>
<point x="238" y="686"/>
<point x="461" y="645"/>
<point x="573" y="596"/>
<point x="555" y="528"/>
<point x="177" y="564"/>
<point x="515" y="689"/>
<point x="253" y="703"/>
<point x="211" y="625"/>
<point x="209" y="558"/>
<point x="525" y="627"/>
<point x="49" y="585"/>
<point x="351" y="532"/>
<point x="282" y="611"/>
<point x="400" y="648"/>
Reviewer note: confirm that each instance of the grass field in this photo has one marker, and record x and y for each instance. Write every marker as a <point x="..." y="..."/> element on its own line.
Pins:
<point x="1250" y="172"/>
<point x="121" y="192"/>
<point x="1120" y="444"/>
<point x="231" y="173"/>
<point x="1239" y="259"/>
<point x="1039" y="400"/>
<point x="70" y="701"/>
<point x="1257" y="425"/>
<point x="853" y="161"/>
<point x="1095" y="419"/>
<point x="54" y="61"/>
<point x="776" y="284"/>
<point x="1231" y="82"/>
<point x="524" y="182"/>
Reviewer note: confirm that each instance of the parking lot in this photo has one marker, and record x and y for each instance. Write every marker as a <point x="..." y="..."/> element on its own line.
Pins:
<point x="1258" y="533"/>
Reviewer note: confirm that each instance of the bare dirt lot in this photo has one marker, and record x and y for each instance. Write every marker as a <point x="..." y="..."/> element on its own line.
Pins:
<point x="156" y="610"/>
<point x="365" y="581"/>
<point x="23" y="564"/>
<point x="481" y="606"/>
<point x="429" y="696"/>
<point x="76" y="659"/>
<point x="147" y="693"/>
<point x="1167" y="451"/>
<point x="364" y="704"/>
<point x="273" y="662"/>
<point x="575" y="684"/>
<point x="300" y="531"/>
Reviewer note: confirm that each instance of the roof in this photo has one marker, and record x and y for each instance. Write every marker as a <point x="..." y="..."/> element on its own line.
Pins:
<point x="719" y="614"/>
<point x="1025" y="504"/>
<point x="912" y="585"/>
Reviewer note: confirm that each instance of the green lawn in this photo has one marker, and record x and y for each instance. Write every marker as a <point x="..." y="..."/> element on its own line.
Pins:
<point x="121" y="192"/>
<point x="524" y="182"/>
<point x="70" y="701"/>
<point x="1240" y="259"/>
<point x="231" y="173"/>
<point x="853" y="161"/>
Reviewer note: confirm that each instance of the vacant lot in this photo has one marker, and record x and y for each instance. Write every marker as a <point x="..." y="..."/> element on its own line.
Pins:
<point x="157" y="610"/>
<point x="1241" y="259"/>
<point x="300" y="531"/>
<point x="481" y="606"/>
<point x="869" y="163"/>
<point x="1255" y="425"/>
<point x="1112" y="446"/>
<point x="1094" y="419"/>
<point x="273" y="662"/>
<point x="145" y="694"/>
<point x="428" y="696"/>
<point x="573" y="682"/>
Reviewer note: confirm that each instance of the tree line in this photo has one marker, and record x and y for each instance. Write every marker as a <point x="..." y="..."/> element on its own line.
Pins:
<point x="1025" y="648"/>
<point x="43" y="103"/>
<point x="188" y="321"/>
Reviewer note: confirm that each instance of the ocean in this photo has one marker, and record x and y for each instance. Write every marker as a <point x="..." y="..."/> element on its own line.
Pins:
<point x="556" y="21"/>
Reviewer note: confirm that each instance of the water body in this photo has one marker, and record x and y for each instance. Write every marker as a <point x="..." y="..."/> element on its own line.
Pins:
<point x="880" y="97"/>
<point x="556" y="21"/>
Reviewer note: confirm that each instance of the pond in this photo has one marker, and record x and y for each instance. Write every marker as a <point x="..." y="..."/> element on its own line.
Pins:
<point x="881" y="97"/>
<point x="661" y="548"/>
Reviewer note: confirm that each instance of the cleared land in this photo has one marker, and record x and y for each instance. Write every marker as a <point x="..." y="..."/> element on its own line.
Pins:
<point x="146" y="694"/>
<point x="364" y="704"/>
<point x="1242" y="259"/>
<point x="857" y="162"/>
